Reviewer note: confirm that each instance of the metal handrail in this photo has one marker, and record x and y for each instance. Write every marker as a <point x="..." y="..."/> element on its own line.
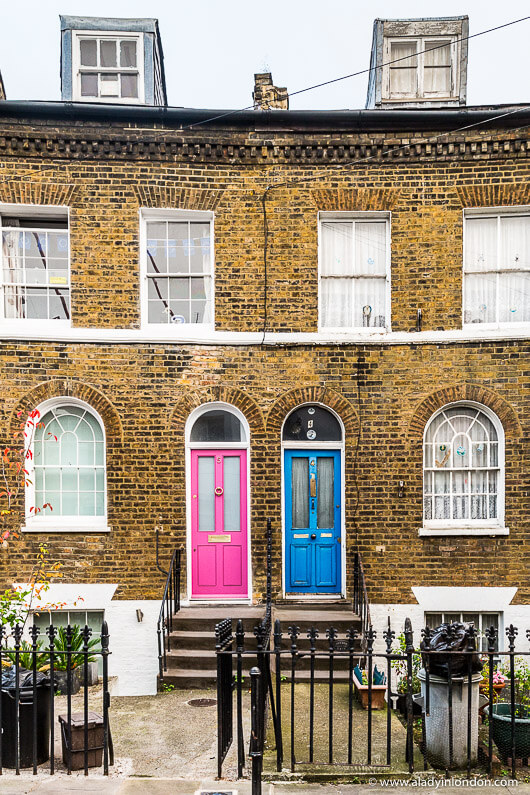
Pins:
<point x="361" y="605"/>
<point x="170" y="605"/>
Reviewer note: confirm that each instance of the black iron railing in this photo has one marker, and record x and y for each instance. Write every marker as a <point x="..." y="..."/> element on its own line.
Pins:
<point x="361" y="605"/>
<point x="169" y="607"/>
<point x="395" y="742"/>
<point x="34" y="674"/>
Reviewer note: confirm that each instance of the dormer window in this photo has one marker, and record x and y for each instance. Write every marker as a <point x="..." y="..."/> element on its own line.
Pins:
<point x="418" y="63"/>
<point x="112" y="60"/>
<point x="108" y="67"/>
<point x="419" y="68"/>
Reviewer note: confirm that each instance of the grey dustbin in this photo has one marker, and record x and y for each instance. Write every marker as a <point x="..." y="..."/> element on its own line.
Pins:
<point x="437" y="721"/>
<point x="27" y="708"/>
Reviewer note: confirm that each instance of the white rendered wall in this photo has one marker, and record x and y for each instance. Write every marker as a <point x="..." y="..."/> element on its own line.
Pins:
<point x="133" y="644"/>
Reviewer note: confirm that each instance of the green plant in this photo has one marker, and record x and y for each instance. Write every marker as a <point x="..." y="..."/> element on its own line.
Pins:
<point x="521" y="684"/>
<point x="400" y="667"/>
<point x="167" y="688"/>
<point x="76" y="648"/>
<point x="25" y="656"/>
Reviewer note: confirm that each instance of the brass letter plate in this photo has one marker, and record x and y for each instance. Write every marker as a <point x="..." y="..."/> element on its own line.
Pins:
<point x="226" y="538"/>
<point x="326" y="535"/>
<point x="301" y="535"/>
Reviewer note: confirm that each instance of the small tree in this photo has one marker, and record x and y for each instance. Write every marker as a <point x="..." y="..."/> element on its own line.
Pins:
<point x="16" y="602"/>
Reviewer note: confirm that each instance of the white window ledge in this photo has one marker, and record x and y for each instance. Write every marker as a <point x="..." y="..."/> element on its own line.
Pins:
<point x="66" y="528"/>
<point x="451" y="531"/>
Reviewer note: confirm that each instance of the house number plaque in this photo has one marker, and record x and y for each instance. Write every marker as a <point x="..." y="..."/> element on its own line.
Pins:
<point x="223" y="539"/>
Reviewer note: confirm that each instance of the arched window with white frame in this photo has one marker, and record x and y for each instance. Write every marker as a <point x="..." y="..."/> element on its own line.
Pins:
<point x="67" y="482"/>
<point x="463" y="483"/>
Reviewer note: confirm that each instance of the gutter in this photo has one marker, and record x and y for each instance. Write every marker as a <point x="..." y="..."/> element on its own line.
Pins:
<point x="273" y="120"/>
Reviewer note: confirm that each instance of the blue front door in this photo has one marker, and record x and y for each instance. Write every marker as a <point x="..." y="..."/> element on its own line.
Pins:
<point x="312" y="521"/>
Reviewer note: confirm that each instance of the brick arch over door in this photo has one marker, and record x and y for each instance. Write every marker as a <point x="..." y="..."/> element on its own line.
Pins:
<point x="283" y="406"/>
<point x="459" y="393"/>
<point x="67" y="388"/>
<point x="231" y="395"/>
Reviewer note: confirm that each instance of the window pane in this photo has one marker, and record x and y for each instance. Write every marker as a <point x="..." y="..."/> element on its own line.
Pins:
<point x="232" y="496"/>
<point x="69" y="503"/>
<point x="368" y="303"/>
<point x="36" y="271"/>
<point x="336" y="310"/>
<point x="300" y="492"/>
<point x="87" y="504"/>
<point x="206" y="499"/>
<point x="514" y="297"/>
<point x="179" y="288"/>
<point x="480" y="298"/>
<point x="59" y="303"/>
<point x="107" y="53"/>
<point x="370" y="248"/>
<point x="69" y="480"/>
<point x="52" y="478"/>
<point x="433" y="620"/>
<point x="36" y="304"/>
<point x="178" y="248"/>
<point x="127" y="53"/>
<point x="325" y="493"/>
<point x="86" y="480"/>
<point x="480" y="244"/>
<point x="515" y="242"/>
<point x="199" y="248"/>
<point x="403" y="75"/>
<point x="89" y="85"/>
<point x="437" y="53"/>
<point x="437" y="80"/>
<point x="337" y="249"/>
<point x="217" y="426"/>
<point x="109" y="85"/>
<point x="129" y="85"/>
<point x="88" y="52"/>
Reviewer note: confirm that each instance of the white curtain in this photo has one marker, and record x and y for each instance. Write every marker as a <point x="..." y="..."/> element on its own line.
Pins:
<point x="403" y="73"/>
<point x="13" y="273"/>
<point x="300" y="492"/>
<point x="480" y="264"/>
<point x="437" y="69"/>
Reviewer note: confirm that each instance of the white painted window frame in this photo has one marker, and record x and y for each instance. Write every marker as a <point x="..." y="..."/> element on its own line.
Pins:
<point x="314" y="445"/>
<point x="243" y="445"/>
<point x="78" y="36"/>
<point x="343" y="216"/>
<point x="498" y="213"/>
<point x="480" y="629"/>
<point x="421" y="42"/>
<point x="177" y="331"/>
<point x="42" y="327"/>
<point x="63" y="524"/>
<point x="464" y="527"/>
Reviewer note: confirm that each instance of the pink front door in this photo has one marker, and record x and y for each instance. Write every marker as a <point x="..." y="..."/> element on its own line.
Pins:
<point x="219" y="567"/>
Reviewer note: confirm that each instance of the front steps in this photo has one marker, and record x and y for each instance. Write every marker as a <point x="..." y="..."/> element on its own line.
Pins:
<point x="191" y="658"/>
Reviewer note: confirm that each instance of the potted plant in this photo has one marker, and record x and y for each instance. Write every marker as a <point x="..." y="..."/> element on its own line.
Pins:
<point x="500" y="714"/>
<point x="400" y="667"/>
<point x="499" y="683"/>
<point x="76" y="658"/>
<point x="360" y="681"/>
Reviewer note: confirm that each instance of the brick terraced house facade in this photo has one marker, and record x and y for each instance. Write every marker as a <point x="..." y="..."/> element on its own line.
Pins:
<point x="318" y="317"/>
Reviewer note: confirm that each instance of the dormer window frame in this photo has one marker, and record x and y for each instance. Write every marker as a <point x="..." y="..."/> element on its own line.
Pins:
<point x="421" y="45"/>
<point x="78" y="68"/>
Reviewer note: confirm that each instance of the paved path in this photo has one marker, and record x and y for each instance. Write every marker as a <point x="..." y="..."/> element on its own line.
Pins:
<point x="164" y="786"/>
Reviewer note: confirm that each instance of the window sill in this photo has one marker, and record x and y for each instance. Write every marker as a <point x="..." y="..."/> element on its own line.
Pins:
<point x="462" y="530"/>
<point x="56" y="527"/>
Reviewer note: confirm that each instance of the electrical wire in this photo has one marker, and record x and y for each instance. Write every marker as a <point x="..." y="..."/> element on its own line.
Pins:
<point x="360" y="72"/>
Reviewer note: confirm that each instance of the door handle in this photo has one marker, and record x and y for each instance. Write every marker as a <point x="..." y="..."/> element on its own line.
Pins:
<point x="313" y="536"/>
<point x="218" y="491"/>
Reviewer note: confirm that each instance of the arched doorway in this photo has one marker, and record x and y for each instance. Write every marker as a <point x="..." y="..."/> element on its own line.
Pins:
<point x="218" y="551"/>
<point x="312" y="442"/>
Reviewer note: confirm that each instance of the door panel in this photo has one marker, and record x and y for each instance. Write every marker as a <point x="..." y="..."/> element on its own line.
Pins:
<point x="219" y="523"/>
<point x="312" y="521"/>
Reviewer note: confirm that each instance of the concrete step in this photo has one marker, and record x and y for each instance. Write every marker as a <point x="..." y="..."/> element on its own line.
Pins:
<point x="203" y="659"/>
<point x="190" y="679"/>
<point x="204" y="619"/>
<point x="327" y="605"/>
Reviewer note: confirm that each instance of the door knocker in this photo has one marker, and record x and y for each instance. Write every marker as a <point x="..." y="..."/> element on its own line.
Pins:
<point x="218" y="490"/>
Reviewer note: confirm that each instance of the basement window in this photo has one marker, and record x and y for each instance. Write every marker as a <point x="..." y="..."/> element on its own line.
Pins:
<point x="108" y="67"/>
<point x="354" y="271"/>
<point x="482" y="621"/>
<point x="35" y="267"/>
<point x="178" y="260"/>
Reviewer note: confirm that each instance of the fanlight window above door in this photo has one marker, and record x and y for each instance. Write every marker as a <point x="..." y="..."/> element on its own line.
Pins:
<point x="312" y="424"/>
<point x="217" y="426"/>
